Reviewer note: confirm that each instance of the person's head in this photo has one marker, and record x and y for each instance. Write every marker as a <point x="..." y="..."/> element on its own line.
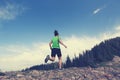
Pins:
<point x="56" y="33"/>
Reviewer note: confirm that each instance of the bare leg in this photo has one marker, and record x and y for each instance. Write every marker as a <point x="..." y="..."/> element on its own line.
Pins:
<point x="52" y="59"/>
<point x="60" y="62"/>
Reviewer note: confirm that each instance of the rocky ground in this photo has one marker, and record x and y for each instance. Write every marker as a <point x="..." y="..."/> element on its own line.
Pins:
<point x="110" y="71"/>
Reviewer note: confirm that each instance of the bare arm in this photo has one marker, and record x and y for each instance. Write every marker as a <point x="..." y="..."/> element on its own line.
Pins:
<point x="62" y="43"/>
<point x="50" y="44"/>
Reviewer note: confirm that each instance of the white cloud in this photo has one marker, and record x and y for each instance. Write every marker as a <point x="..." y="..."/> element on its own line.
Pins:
<point x="117" y="28"/>
<point x="96" y="11"/>
<point x="10" y="11"/>
<point x="17" y="57"/>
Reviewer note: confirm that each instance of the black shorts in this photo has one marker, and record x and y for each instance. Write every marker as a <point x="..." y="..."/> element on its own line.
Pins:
<point x="56" y="51"/>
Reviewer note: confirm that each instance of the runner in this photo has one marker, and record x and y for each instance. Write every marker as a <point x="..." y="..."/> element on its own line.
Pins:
<point x="55" y="49"/>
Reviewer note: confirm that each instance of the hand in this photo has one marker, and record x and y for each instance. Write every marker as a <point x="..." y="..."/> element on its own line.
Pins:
<point x="65" y="46"/>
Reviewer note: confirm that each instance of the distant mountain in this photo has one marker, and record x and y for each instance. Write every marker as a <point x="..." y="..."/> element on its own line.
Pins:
<point x="103" y="52"/>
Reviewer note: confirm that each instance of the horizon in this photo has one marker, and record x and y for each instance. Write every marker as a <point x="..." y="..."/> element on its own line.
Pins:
<point x="26" y="28"/>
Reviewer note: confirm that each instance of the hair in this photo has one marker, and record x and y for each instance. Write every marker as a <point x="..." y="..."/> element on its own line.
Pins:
<point x="56" y="33"/>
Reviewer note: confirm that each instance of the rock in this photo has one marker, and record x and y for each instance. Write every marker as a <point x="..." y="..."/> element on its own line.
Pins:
<point x="35" y="73"/>
<point x="20" y="75"/>
<point x="116" y="59"/>
<point x="100" y="73"/>
<point x="109" y="64"/>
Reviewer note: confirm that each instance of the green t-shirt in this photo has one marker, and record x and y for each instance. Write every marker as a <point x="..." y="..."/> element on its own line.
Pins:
<point x="55" y="42"/>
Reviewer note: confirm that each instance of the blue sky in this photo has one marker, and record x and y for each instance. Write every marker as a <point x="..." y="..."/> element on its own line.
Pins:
<point x="27" y="25"/>
<point x="36" y="20"/>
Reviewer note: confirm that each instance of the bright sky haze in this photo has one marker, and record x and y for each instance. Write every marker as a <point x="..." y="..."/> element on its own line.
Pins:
<point x="27" y="26"/>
